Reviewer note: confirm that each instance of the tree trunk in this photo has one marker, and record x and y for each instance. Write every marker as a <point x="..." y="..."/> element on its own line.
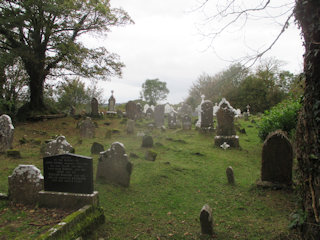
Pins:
<point x="307" y="13"/>
<point x="36" y="86"/>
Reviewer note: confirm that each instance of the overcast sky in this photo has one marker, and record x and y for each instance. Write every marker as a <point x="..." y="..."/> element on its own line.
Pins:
<point x="166" y="42"/>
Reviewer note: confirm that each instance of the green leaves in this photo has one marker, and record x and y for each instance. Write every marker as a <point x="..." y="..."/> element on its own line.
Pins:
<point x="154" y="90"/>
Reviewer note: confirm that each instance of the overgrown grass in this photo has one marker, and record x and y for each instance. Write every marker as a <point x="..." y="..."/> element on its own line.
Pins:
<point x="165" y="197"/>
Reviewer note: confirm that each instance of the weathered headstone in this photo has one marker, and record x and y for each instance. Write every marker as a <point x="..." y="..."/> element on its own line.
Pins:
<point x="185" y="110"/>
<point x="111" y="103"/>
<point x="24" y="184"/>
<point x="149" y="113"/>
<point x="277" y="157"/>
<point x="58" y="146"/>
<point x="94" y="107"/>
<point x="131" y="110"/>
<point x="130" y="126"/>
<point x="68" y="173"/>
<point x="151" y="155"/>
<point x="186" y="122"/>
<point x="6" y="133"/>
<point x="159" y="116"/>
<point x="96" y="148"/>
<point x="206" y="115"/>
<point x="226" y="131"/>
<point x="139" y="111"/>
<point x="114" y="165"/>
<point x="87" y="128"/>
<point x="172" y="120"/>
<point x="147" y="141"/>
<point x="230" y="175"/>
<point x="206" y="220"/>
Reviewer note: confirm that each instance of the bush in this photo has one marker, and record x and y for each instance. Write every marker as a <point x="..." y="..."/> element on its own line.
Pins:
<point x="283" y="116"/>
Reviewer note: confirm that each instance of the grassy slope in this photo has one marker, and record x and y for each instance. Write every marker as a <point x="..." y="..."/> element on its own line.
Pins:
<point x="165" y="197"/>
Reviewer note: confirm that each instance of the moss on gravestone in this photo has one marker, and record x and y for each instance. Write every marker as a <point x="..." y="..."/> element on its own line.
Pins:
<point x="13" y="153"/>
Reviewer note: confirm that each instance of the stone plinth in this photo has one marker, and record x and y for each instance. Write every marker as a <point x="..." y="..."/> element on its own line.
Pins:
<point x="64" y="200"/>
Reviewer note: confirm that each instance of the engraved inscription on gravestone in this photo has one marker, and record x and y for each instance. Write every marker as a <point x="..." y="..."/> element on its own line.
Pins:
<point x="68" y="173"/>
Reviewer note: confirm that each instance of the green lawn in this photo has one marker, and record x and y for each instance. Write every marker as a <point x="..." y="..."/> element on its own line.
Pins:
<point x="165" y="197"/>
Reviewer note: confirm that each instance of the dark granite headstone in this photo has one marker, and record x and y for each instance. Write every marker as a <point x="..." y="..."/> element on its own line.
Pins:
<point x="206" y="220"/>
<point x="96" y="148"/>
<point x="68" y="173"/>
<point x="94" y="107"/>
<point x="206" y="114"/>
<point x="277" y="157"/>
<point x="147" y="141"/>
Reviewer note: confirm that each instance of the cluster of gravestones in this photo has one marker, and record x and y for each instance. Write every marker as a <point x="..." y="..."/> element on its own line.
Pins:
<point x="68" y="178"/>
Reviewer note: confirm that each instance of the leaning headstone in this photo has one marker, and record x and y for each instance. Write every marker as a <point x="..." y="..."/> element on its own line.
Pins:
<point x="206" y="115"/>
<point x="111" y="103"/>
<point x="6" y="133"/>
<point x="147" y="141"/>
<point x="131" y="110"/>
<point x="277" y="157"/>
<point x="206" y="220"/>
<point x="87" y="128"/>
<point x="226" y="132"/>
<point x="94" y="107"/>
<point x="96" y="148"/>
<point x="186" y="122"/>
<point x="24" y="184"/>
<point x="159" y="115"/>
<point x="114" y="166"/>
<point x="230" y="175"/>
<point x="130" y="126"/>
<point x="58" y="146"/>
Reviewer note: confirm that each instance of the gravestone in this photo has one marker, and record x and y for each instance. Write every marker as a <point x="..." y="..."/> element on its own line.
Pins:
<point x="172" y="120"/>
<point x="114" y="166"/>
<point x="149" y="113"/>
<point x="130" y="126"/>
<point x="57" y="146"/>
<point x="226" y="132"/>
<point x="111" y="103"/>
<point x="206" y="115"/>
<point x="96" y="148"/>
<point x="186" y="122"/>
<point x="94" y="107"/>
<point x="131" y="110"/>
<point x="277" y="157"/>
<point x="206" y="220"/>
<point x="6" y="133"/>
<point x="24" y="184"/>
<point x="230" y="175"/>
<point x="151" y="155"/>
<point x="147" y="141"/>
<point x="159" y="116"/>
<point x="139" y="111"/>
<point x="87" y="128"/>
<point x="68" y="173"/>
<point x="185" y="110"/>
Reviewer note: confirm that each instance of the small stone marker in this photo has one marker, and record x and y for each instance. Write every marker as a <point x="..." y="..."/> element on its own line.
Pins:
<point x="147" y="141"/>
<point x="6" y="133"/>
<point x="206" y="220"/>
<point x="87" y="128"/>
<point x="151" y="155"/>
<point x="130" y="126"/>
<point x="58" y="146"/>
<point x="114" y="165"/>
<point x="230" y="175"/>
<point x="131" y="110"/>
<point x="96" y="148"/>
<point x="94" y="107"/>
<point x="24" y="184"/>
<point x="159" y="116"/>
<point x="277" y="157"/>
<point x="68" y="173"/>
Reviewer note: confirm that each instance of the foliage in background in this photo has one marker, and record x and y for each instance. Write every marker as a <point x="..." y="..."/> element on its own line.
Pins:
<point x="153" y="91"/>
<point x="45" y="35"/>
<point x="261" y="89"/>
<point x="283" y="116"/>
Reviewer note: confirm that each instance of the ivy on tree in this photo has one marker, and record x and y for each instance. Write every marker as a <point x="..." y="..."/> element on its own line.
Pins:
<point x="45" y="36"/>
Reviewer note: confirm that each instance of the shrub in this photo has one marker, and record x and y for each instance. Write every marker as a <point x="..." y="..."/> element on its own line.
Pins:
<point x="283" y="116"/>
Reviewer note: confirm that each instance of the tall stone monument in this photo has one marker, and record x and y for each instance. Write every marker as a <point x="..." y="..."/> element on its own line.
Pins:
<point x="111" y="103"/>
<point x="94" y="107"/>
<point x="206" y="122"/>
<point x="131" y="110"/>
<point x="159" y="115"/>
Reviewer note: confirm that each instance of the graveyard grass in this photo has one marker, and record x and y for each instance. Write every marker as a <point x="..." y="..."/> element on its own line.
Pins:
<point x="165" y="197"/>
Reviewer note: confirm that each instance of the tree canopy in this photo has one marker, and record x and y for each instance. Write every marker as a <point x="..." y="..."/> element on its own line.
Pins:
<point x="153" y="90"/>
<point x="45" y="36"/>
